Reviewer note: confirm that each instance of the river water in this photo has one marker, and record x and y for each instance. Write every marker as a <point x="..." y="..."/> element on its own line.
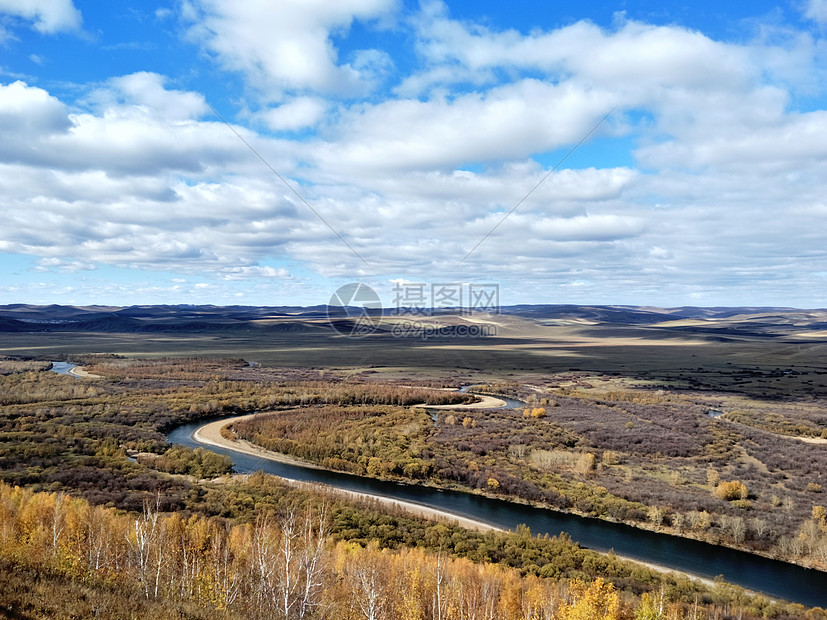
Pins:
<point x="777" y="579"/>
<point x="62" y="368"/>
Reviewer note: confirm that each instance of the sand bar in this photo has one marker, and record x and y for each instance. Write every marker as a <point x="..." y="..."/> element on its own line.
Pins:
<point x="78" y="371"/>
<point x="485" y="402"/>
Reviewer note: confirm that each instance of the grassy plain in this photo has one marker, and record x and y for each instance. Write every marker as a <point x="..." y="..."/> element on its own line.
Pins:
<point x="717" y="357"/>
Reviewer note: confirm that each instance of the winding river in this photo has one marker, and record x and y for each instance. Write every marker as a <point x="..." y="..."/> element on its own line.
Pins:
<point x="774" y="578"/>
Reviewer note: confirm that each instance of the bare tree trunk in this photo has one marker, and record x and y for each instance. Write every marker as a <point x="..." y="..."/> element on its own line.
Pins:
<point x="368" y="580"/>
<point x="58" y="522"/>
<point x="287" y="578"/>
<point x="263" y="566"/>
<point x="145" y="532"/>
<point x="313" y="550"/>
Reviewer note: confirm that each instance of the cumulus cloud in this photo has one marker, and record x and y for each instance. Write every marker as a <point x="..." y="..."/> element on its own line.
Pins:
<point x="31" y="110"/>
<point x="48" y="16"/>
<point x="632" y="56"/>
<point x="138" y="128"/>
<point x="816" y="10"/>
<point x="511" y="121"/>
<point x="287" y="47"/>
<point x="791" y="142"/>
<point x="106" y="186"/>
<point x="296" y="114"/>
<point x="148" y="92"/>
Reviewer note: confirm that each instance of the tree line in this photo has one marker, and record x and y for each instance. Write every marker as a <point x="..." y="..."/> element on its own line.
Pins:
<point x="285" y="565"/>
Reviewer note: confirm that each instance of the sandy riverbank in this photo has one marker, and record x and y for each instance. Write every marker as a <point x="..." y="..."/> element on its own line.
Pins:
<point x="210" y="434"/>
<point x="409" y="507"/>
<point x="485" y="402"/>
<point x="78" y="371"/>
<point x="812" y="439"/>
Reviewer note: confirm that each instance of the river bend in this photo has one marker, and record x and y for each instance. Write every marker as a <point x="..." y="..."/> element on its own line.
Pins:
<point x="772" y="577"/>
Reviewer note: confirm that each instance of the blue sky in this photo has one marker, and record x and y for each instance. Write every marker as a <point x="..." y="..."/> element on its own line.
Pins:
<point x="406" y="131"/>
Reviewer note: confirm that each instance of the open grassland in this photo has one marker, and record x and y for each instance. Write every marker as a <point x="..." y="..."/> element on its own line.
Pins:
<point x="766" y="365"/>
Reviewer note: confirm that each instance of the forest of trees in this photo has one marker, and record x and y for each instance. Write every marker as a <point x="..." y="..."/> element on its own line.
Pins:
<point x="285" y="565"/>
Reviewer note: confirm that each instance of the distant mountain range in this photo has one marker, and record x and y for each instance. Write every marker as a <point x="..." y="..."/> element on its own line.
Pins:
<point x="190" y="318"/>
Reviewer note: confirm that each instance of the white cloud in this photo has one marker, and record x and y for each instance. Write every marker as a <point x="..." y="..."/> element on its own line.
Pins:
<point x="30" y="110"/>
<point x="288" y="46"/>
<point x="147" y="91"/>
<point x="793" y="142"/>
<point x="63" y="266"/>
<point x="299" y="113"/>
<point x="816" y="10"/>
<point x="373" y="65"/>
<point x="242" y="273"/>
<point x="634" y="56"/>
<point x="49" y="16"/>
<point x="660" y="253"/>
<point x="511" y="121"/>
<point x="587" y="228"/>
<point x="107" y="187"/>
<point x="139" y="128"/>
